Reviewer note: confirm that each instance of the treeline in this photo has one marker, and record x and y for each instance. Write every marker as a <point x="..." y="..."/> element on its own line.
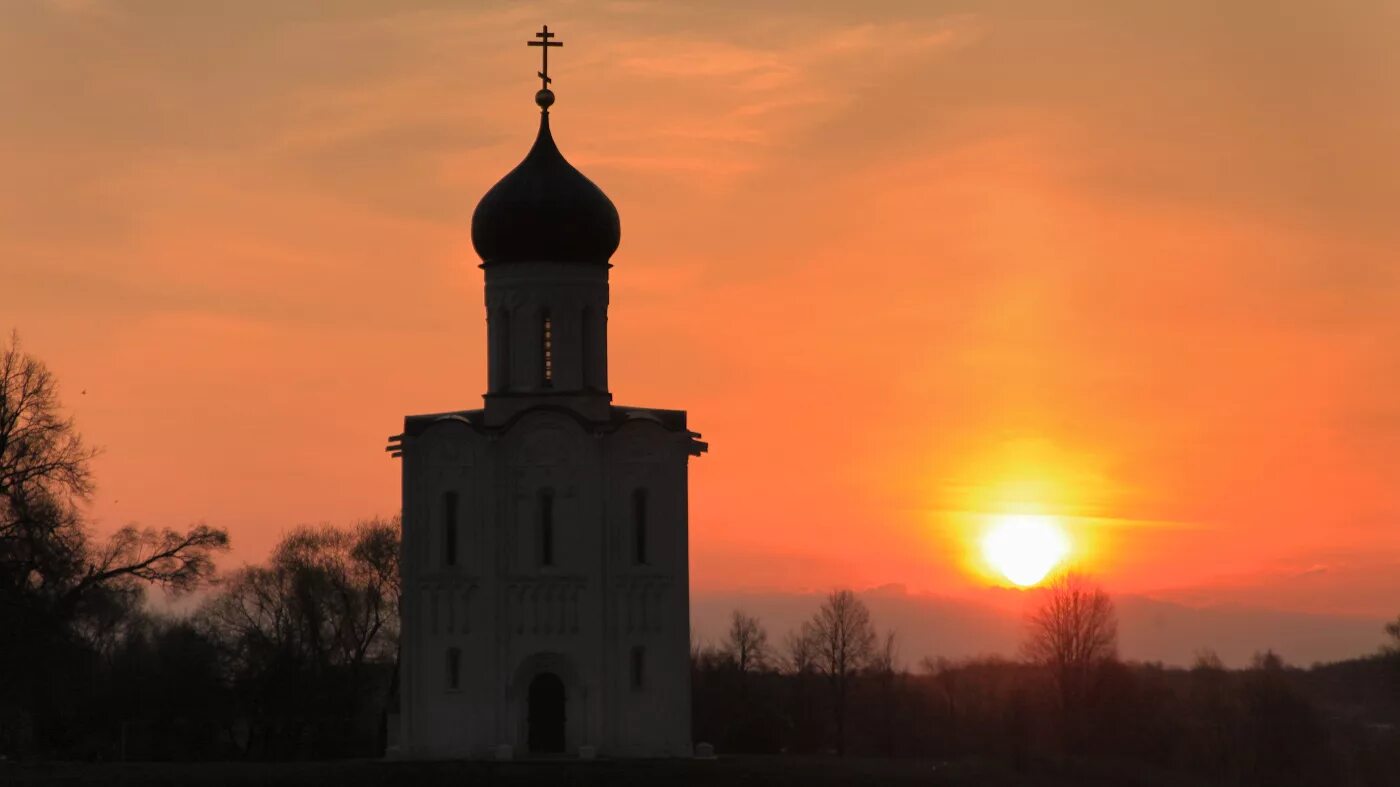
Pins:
<point x="1067" y="705"/>
<point x="293" y="659"/>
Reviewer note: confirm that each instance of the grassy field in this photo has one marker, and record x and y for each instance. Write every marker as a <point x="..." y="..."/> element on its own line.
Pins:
<point x="737" y="771"/>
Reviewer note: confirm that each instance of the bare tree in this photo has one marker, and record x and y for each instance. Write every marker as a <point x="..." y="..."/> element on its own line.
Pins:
<point x="43" y="477"/>
<point x="844" y="641"/>
<point x="298" y="633"/>
<point x="746" y="644"/>
<point x="884" y="659"/>
<point x="377" y="550"/>
<point x="329" y="597"/>
<point x="177" y="561"/>
<point x="889" y="679"/>
<point x="800" y="656"/>
<point x="1073" y="633"/>
<point x="64" y="595"/>
<point x="51" y="573"/>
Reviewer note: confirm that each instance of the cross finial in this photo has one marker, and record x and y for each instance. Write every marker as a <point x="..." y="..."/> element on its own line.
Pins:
<point x="545" y="97"/>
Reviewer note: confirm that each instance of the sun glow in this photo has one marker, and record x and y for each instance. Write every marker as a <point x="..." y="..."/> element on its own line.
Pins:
<point x="1024" y="547"/>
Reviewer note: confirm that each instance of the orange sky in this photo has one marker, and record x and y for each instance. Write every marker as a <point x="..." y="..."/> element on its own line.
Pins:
<point x="905" y="263"/>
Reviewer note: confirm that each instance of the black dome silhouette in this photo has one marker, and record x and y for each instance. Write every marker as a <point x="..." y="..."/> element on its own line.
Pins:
<point x="545" y="210"/>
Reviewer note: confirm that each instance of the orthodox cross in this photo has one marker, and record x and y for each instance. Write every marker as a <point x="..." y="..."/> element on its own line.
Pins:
<point x="544" y="44"/>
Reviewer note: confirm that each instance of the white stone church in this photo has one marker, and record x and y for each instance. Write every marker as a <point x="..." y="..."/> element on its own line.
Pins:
<point x="545" y="559"/>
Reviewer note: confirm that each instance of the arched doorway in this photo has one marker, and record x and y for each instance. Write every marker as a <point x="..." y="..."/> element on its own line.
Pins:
<point x="546" y="714"/>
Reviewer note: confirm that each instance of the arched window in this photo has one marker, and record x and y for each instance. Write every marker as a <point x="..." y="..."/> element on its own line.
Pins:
<point x="546" y="528"/>
<point x="449" y="528"/>
<point x="639" y="526"/>
<point x="454" y="669"/>
<point x="547" y="349"/>
<point x="638" y="667"/>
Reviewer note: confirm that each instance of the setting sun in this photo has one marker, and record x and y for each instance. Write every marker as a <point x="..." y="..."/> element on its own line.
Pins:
<point x="1024" y="547"/>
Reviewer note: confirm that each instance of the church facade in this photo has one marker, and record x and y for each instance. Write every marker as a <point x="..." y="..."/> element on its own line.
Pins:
<point x="545" y="555"/>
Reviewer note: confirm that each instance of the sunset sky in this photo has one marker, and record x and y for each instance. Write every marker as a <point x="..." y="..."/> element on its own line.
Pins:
<point x="908" y="265"/>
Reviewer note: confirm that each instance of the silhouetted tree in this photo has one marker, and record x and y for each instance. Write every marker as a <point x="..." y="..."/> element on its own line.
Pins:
<point x="299" y="631"/>
<point x="746" y="644"/>
<point x="43" y="477"/>
<point x="57" y="587"/>
<point x="945" y="678"/>
<point x="1073" y="632"/>
<point x="1284" y="730"/>
<point x="734" y="702"/>
<point x="885" y="670"/>
<point x="800" y="653"/>
<point x="806" y="717"/>
<point x="884" y="657"/>
<point x="377" y="548"/>
<point x="843" y="640"/>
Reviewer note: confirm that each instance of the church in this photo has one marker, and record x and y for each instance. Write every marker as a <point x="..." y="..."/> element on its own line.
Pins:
<point x="545" y="554"/>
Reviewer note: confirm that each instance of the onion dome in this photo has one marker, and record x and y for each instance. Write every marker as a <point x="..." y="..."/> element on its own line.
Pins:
<point x="544" y="210"/>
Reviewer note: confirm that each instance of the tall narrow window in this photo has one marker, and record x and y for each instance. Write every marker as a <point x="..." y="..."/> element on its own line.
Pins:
<point x="499" y="329"/>
<point x="547" y="529"/>
<point x="454" y="669"/>
<point x="639" y="526"/>
<point x="639" y="664"/>
<point x="506" y="373"/>
<point x="585" y="333"/>
<point x="547" y="348"/>
<point x="449" y="528"/>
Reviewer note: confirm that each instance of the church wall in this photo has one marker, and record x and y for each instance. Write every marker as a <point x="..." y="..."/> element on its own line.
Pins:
<point x="651" y="599"/>
<point x="508" y="615"/>
<point x="447" y="606"/>
<point x="553" y="613"/>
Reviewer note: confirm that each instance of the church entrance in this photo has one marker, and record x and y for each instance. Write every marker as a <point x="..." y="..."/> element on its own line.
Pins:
<point x="546" y="714"/>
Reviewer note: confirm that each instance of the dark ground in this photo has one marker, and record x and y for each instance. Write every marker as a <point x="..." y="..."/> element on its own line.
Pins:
<point x="739" y="771"/>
